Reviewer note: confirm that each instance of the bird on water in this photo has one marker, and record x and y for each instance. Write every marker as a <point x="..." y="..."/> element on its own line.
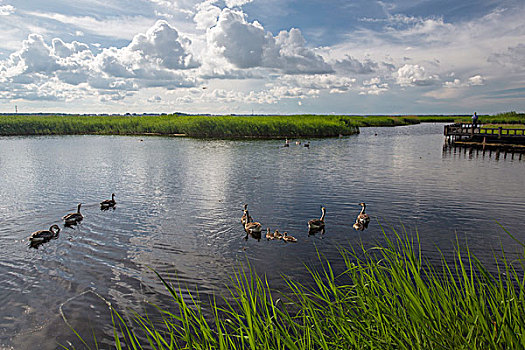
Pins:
<point x="252" y="227"/>
<point x="245" y="215"/>
<point x="73" y="218"/>
<point x="44" y="235"/>
<point x="108" y="203"/>
<point x="362" y="220"/>
<point x="317" y="224"/>
<point x="288" y="238"/>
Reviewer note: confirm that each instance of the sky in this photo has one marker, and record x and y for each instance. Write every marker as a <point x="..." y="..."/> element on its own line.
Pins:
<point x="262" y="56"/>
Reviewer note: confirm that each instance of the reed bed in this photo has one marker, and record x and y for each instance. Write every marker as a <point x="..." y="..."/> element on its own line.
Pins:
<point x="277" y="126"/>
<point x="280" y="126"/>
<point x="387" y="297"/>
<point x="193" y="126"/>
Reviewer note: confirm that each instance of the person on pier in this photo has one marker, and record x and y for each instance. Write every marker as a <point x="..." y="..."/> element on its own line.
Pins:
<point x="474" y="120"/>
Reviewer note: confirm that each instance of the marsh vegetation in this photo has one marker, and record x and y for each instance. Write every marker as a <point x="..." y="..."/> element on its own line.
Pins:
<point x="387" y="297"/>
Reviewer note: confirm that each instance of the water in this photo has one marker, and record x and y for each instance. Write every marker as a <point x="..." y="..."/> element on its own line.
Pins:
<point x="179" y="204"/>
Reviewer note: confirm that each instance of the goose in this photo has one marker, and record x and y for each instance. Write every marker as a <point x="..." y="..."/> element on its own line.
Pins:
<point x="287" y="238"/>
<point x="245" y="215"/>
<point x="269" y="235"/>
<point x="358" y="226"/>
<point x="44" y="235"/>
<point x="108" y="203"/>
<point x="317" y="224"/>
<point x="252" y="227"/>
<point x="363" y="218"/>
<point x="73" y="218"/>
<point x="277" y="234"/>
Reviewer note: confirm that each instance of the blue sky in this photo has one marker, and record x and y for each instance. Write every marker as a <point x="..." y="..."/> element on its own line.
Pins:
<point x="244" y="56"/>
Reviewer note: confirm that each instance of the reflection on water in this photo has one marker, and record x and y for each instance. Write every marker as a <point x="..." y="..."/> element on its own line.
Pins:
<point x="450" y="150"/>
<point x="180" y="203"/>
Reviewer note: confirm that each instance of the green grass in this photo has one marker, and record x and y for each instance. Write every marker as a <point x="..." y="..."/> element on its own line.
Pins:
<point x="193" y="126"/>
<point x="388" y="297"/>
<point x="221" y="126"/>
<point x="503" y="118"/>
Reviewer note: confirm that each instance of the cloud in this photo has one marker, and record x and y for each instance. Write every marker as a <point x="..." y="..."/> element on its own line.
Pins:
<point x="329" y="82"/>
<point x="246" y="45"/>
<point x="236" y="3"/>
<point x="119" y="27"/>
<point x="513" y="57"/>
<point x="352" y="65"/>
<point x="6" y="10"/>
<point x="35" y="56"/>
<point x="374" y="89"/>
<point x="412" y="75"/>
<point x="207" y="15"/>
<point x="158" y="58"/>
<point x="155" y="99"/>
<point x="163" y="44"/>
<point x="154" y="59"/>
<point x="476" y="80"/>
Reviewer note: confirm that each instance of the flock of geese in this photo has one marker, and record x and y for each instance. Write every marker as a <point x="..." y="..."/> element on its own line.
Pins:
<point x="287" y="143"/>
<point x="254" y="228"/>
<point x="251" y="227"/>
<point x="42" y="236"/>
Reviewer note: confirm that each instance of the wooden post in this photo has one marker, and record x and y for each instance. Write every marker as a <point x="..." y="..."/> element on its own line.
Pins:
<point x="500" y="129"/>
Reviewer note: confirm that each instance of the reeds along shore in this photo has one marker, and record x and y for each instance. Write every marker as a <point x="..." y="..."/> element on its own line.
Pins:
<point x="214" y="126"/>
<point x="387" y="297"/>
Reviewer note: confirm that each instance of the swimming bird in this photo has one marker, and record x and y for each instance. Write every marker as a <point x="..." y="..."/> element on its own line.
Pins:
<point x="363" y="218"/>
<point x="269" y="235"/>
<point x="245" y="215"/>
<point x="358" y="226"/>
<point x="287" y="238"/>
<point x="277" y="234"/>
<point x="297" y="142"/>
<point x="44" y="235"/>
<point x="287" y="143"/>
<point x="73" y="218"/>
<point x="307" y="145"/>
<point x="252" y="227"/>
<point x="317" y="224"/>
<point x="108" y="203"/>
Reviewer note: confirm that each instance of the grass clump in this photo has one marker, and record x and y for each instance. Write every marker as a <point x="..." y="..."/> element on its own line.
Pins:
<point x="387" y="297"/>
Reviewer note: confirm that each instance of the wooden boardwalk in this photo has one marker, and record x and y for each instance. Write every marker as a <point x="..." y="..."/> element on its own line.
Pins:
<point x="460" y="132"/>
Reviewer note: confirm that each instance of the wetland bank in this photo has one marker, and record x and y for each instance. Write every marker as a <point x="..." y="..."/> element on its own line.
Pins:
<point x="178" y="213"/>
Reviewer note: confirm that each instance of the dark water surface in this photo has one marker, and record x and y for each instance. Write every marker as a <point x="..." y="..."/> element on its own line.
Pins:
<point x="179" y="208"/>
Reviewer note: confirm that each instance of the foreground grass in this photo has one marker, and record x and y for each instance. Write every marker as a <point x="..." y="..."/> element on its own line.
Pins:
<point x="386" y="298"/>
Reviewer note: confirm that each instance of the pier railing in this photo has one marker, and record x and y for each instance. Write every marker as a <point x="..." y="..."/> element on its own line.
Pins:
<point x="462" y="131"/>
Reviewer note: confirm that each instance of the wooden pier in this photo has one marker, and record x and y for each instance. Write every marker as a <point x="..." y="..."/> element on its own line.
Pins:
<point x="479" y="134"/>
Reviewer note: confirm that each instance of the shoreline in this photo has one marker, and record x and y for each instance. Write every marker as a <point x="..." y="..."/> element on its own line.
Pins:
<point x="222" y="127"/>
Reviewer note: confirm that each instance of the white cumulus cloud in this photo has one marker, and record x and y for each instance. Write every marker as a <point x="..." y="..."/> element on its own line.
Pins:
<point x="235" y="3"/>
<point x="414" y="74"/>
<point x="246" y="45"/>
<point x="158" y="58"/>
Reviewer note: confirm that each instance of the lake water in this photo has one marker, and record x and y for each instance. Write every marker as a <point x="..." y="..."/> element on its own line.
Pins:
<point x="179" y="204"/>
